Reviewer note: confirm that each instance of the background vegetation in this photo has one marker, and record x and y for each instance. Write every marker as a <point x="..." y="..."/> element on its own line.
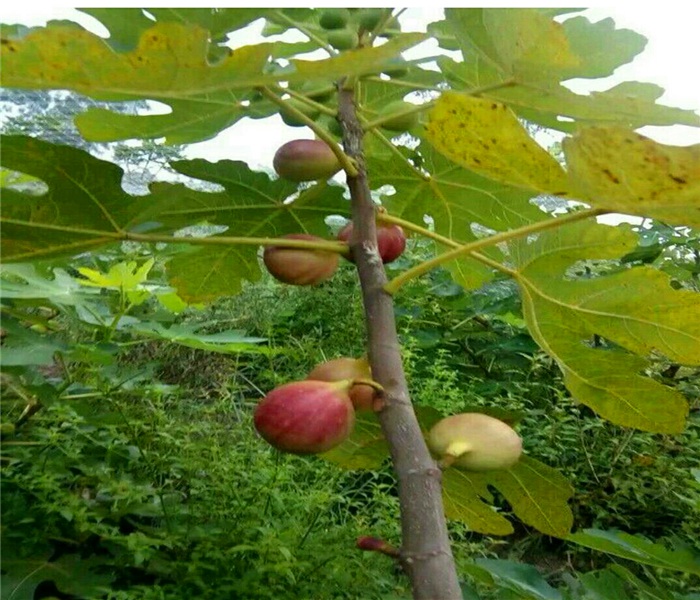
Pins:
<point x="143" y="463"/>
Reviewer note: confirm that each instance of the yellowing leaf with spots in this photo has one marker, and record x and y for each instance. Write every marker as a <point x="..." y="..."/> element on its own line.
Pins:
<point x="172" y="63"/>
<point x="486" y="137"/>
<point x="528" y="44"/>
<point x="621" y="171"/>
<point x="170" y="60"/>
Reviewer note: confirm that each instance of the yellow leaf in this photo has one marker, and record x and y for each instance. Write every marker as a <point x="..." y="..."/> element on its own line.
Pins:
<point x="122" y="276"/>
<point x="486" y="137"/>
<point x="170" y="60"/>
<point x="619" y="170"/>
<point x="529" y="44"/>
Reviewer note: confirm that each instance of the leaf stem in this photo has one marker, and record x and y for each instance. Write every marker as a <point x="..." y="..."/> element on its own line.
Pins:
<point x="404" y="83"/>
<point x="410" y="226"/>
<point x="278" y="14"/>
<point x="394" y="150"/>
<point x="308" y="101"/>
<point x="395" y="284"/>
<point x="328" y="246"/>
<point x="492" y="87"/>
<point x="346" y="162"/>
<point x="409" y="111"/>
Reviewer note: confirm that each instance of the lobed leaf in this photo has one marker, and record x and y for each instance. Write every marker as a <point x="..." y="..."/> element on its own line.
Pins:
<point x="224" y="342"/>
<point x="204" y="274"/>
<point x="457" y="199"/>
<point x="537" y="494"/>
<point x="85" y="205"/>
<point x="22" y="346"/>
<point x="21" y="281"/>
<point x="170" y="63"/>
<point x="487" y="138"/>
<point x="71" y="573"/>
<point x="634" y="309"/>
<point x="638" y="549"/>
<point x="366" y="447"/>
<point x="505" y="55"/>
<point x="522" y="579"/>
<point x="621" y="171"/>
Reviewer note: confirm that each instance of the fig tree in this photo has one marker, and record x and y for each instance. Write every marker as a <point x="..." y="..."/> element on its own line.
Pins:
<point x="399" y="122"/>
<point x="475" y="442"/>
<point x="334" y="18"/>
<point x="391" y="240"/>
<point x="298" y="266"/>
<point x="362" y="396"/>
<point x="305" y="160"/>
<point x="306" y="417"/>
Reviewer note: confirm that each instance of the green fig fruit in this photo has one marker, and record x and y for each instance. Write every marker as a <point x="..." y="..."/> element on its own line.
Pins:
<point x="334" y="18"/>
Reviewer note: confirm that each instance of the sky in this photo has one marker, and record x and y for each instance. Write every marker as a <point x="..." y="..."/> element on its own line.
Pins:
<point x="668" y="60"/>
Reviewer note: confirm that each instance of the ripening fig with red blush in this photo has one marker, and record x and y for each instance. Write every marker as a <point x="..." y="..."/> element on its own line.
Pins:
<point x="299" y="266"/>
<point x="391" y="240"/>
<point x="306" y="417"/>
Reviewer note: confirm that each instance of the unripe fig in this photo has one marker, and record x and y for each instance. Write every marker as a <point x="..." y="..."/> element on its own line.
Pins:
<point x="334" y="127"/>
<point x="320" y="92"/>
<point x="475" y="442"/>
<point x="391" y="240"/>
<point x="343" y="39"/>
<point x="334" y="18"/>
<point x="305" y="160"/>
<point x="306" y="417"/>
<point x="305" y="109"/>
<point x="400" y="122"/>
<point x="298" y="266"/>
<point x="362" y="396"/>
<point x="369" y="18"/>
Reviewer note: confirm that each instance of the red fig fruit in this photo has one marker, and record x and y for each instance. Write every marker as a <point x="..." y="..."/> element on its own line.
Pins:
<point x="362" y="396"/>
<point x="391" y="240"/>
<point x="475" y="442"/>
<point x="306" y="417"/>
<point x="298" y="266"/>
<point x="305" y="160"/>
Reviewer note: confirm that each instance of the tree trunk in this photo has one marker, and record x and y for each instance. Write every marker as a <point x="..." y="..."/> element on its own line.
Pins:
<point x="425" y="548"/>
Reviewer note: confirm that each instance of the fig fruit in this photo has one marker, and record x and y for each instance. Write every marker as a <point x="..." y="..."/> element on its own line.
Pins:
<point x="369" y="18"/>
<point x="302" y="107"/>
<point x="343" y="39"/>
<point x="298" y="266"/>
<point x="305" y="417"/>
<point x="318" y="91"/>
<point x="305" y="160"/>
<point x="391" y="240"/>
<point x="361" y="395"/>
<point x="399" y="122"/>
<point x="475" y="442"/>
<point x="334" y="18"/>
